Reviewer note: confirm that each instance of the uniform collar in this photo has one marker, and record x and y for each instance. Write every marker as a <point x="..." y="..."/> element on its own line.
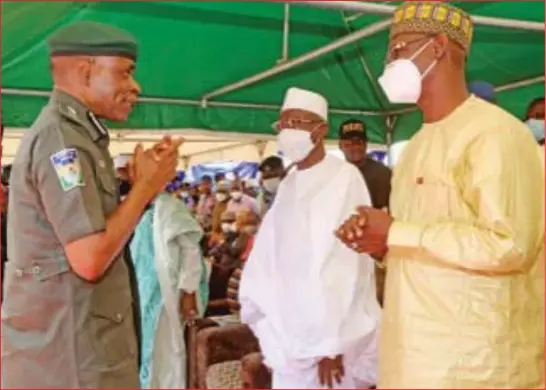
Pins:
<point x="75" y="111"/>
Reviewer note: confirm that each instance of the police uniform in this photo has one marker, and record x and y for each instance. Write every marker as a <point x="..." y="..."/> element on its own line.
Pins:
<point x="59" y="331"/>
<point x="378" y="180"/>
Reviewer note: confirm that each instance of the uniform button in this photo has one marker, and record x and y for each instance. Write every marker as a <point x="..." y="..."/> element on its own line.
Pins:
<point x="119" y="317"/>
<point x="102" y="164"/>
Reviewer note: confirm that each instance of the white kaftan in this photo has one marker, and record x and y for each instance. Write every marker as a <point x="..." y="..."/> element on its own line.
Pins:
<point x="179" y="267"/>
<point x="303" y="293"/>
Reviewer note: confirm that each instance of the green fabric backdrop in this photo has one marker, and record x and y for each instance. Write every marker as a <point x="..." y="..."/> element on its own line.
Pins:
<point x="190" y="48"/>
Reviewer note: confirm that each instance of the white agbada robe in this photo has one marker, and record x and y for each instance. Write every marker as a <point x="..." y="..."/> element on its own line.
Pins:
<point x="303" y="293"/>
<point x="168" y="366"/>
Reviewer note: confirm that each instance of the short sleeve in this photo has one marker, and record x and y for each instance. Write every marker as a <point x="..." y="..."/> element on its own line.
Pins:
<point x="67" y="185"/>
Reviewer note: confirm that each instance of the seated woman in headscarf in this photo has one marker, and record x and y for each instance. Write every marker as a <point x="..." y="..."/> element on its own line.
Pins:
<point x="173" y="286"/>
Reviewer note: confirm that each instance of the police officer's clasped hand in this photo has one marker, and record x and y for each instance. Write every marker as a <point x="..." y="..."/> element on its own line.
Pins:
<point x="155" y="168"/>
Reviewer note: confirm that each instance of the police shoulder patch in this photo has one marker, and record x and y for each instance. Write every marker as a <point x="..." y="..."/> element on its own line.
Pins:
<point x="68" y="168"/>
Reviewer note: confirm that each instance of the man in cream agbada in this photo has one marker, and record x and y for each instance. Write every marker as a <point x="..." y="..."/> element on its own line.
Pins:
<point x="464" y="298"/>
<point x="310" y="300"/>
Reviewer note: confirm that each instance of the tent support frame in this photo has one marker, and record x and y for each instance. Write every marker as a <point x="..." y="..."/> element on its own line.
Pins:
<point x="188" y="102"/>
<point x="384" y="9"/>
<point x="355" y="6"/>
<point x="309" y="56"/>
<point x="285" y="35"/>
<point x="376" y="89"/>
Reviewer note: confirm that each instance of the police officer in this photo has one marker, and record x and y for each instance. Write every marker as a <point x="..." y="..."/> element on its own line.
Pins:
<point x="353" y="142"/>
<point x="68" y="317"/>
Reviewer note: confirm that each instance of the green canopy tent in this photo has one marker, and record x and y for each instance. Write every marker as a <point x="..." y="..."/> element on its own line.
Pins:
<point x="196" y="59"/>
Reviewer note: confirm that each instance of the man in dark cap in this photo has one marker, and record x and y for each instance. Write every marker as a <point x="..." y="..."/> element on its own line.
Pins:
<point x="272" y="172"/>
<point x="68" y="314"/>
<point x="464" y="239"/>
<point x="353" y="142"/>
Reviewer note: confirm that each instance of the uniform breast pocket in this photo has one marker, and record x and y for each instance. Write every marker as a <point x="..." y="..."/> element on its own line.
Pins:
<point x="109" y="189"/>
<point x="114" y="332"/>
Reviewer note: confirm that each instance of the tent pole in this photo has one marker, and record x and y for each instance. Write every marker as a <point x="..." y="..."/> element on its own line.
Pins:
<point x="309" y="56"/>
<point x="367" y="71"/>
<point x="519" y="84"/>
<point x="186" y="102"/>
<point x="383" y="9"/>
<point x="285" y="33"/>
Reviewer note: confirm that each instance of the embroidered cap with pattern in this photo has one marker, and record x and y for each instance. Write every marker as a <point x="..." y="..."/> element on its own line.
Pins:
<point x="431" y="18"/>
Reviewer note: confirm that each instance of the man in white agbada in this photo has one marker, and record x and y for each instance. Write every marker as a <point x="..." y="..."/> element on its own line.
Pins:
<point x="309" y="300"/>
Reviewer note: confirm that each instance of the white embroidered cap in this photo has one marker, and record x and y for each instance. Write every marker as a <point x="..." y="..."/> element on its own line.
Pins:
<point x="301" y="99"/>
<point x="121" y="161"/>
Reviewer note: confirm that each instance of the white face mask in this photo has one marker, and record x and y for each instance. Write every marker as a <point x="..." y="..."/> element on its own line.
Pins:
<point x="402" y="81"/>
<point x="220" y="197"/>
<point x="236" y="195"/>
<point x="271" y="185"/>
<point x="295" y="144"/>
<point x="226" y="227"/>
<point x="537" y="128"/>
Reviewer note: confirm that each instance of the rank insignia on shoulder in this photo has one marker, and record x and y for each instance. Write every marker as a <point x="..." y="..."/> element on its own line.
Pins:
<point x="68" y="168"/>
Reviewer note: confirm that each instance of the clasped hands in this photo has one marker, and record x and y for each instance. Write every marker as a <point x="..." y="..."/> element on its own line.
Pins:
<point x="366" y="231"/>
<point x="154" y="168"/>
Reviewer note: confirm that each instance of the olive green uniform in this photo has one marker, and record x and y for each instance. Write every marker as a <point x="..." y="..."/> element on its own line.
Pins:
<point x="59" y="331"/>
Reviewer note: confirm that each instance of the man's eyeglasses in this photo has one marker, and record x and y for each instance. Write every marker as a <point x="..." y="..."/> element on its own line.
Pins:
<point x="294" y="124"/>
<point x="397" y="51"/>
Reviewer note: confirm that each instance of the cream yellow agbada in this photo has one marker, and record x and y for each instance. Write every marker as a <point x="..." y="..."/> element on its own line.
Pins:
<point x="464" y="301"/>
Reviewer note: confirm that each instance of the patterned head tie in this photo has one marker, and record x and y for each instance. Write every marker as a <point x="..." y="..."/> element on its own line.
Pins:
<point x="433" y="18"/>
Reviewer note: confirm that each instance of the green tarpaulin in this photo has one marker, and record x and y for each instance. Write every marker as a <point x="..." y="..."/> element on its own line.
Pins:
<point x="191" y="48"/>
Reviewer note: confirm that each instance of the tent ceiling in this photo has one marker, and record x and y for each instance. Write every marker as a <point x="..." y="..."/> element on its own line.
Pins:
<point x="189" y="49"/>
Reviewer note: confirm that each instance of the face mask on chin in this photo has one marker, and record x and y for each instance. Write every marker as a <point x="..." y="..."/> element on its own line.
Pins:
<point x="537" y="128"/>
<point x="402" y="81"/>
<point x="295" y="144"/>
<point x="271" y="185"/>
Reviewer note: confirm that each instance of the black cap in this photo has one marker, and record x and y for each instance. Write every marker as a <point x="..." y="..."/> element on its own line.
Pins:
<point x="270" y="164"/>
<point x="353" y="129"/>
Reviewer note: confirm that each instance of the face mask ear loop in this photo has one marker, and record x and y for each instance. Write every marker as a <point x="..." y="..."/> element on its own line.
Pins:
<point x="427" y="71"/>
<point x="418" y="52"/>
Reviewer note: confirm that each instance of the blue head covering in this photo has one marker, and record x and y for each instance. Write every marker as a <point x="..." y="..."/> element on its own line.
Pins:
<point x="176" y="183"/>
<point x="483" y="90"/>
